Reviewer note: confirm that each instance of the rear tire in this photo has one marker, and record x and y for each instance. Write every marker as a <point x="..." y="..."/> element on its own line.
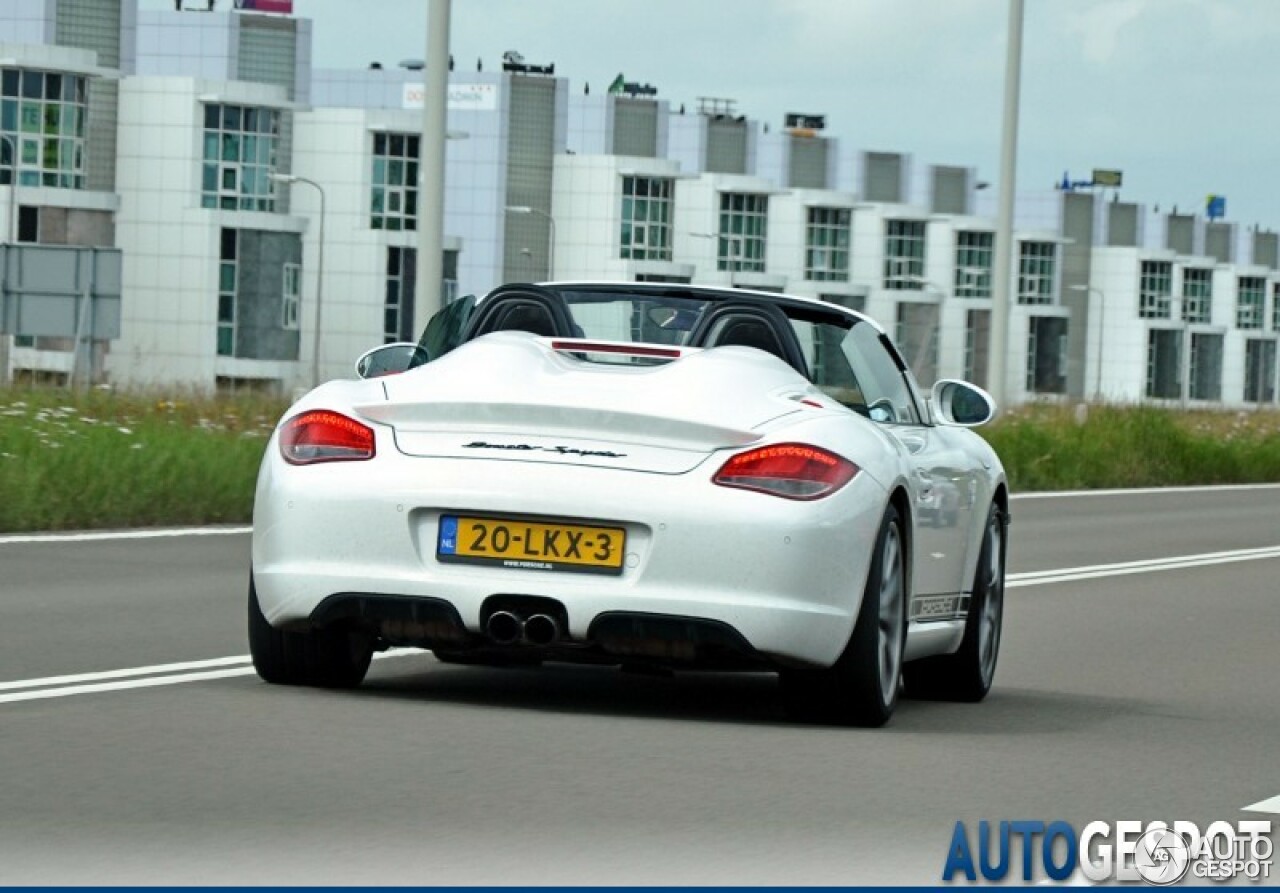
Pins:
<point x="967" y="674"/>
<point x="861" y="687"/>
<point x="330" y="657"/>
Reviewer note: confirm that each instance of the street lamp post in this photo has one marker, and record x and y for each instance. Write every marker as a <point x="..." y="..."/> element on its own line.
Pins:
<point x="13" y="185"/>
<point x="997" y="373"/>
<point x="1094" y="290"/>
<point x="551" y="247"/>
<point x="12" y="217"/>
<point x="315" y="349"/>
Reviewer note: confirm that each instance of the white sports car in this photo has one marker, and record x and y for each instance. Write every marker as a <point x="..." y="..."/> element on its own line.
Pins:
<point x="639" y="474"/>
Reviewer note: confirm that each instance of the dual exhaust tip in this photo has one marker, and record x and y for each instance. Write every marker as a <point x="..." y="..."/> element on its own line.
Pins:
<point x="506" y="628"/>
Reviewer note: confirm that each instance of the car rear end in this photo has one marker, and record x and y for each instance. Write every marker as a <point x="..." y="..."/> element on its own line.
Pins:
<point x="516" y="495"/>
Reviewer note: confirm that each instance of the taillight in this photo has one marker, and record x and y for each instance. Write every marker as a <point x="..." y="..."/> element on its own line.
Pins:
<point x="323" y="436"/>
<point x="789" y="470"/>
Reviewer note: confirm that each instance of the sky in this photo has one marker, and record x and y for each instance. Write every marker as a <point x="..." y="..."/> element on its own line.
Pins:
<point x="1178" y="94"/>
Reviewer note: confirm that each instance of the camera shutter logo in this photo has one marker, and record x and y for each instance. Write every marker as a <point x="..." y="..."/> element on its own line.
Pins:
<point x="1162" y="857"/>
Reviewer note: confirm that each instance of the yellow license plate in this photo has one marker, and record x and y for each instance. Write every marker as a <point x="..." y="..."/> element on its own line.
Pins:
<point x="531" y="545"/>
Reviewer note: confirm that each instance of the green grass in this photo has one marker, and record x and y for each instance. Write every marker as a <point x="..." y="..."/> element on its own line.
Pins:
<point x="1052" y="448"/>
<point x="107" y="460"/>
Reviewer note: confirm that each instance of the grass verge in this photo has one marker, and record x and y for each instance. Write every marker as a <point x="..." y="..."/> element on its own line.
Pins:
<point x="1101" y="446"/>
<point x="107" y="460"/>
<point x="104" y="460"/>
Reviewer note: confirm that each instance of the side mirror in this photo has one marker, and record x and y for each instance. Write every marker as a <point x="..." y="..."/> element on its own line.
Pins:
<point x="390" y="359"/>
<point x="962" y="404"/>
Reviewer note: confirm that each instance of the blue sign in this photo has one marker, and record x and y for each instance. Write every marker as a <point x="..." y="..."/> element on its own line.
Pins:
<point x="1215" y="207"/>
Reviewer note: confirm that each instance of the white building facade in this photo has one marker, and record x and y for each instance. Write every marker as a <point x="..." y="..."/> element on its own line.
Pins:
<point x="264" y="207"/>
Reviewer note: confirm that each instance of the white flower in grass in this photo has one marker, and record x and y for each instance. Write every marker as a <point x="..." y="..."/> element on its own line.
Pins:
<point x="138" y="446"/>
<point x="124" y="430"/>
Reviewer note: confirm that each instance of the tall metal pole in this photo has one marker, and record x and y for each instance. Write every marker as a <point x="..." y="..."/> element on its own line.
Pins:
<point x="428" y="291"/>
<point x="6" y="341"/>
<point x="998" y="377"/>
<point x="315" y="345"/>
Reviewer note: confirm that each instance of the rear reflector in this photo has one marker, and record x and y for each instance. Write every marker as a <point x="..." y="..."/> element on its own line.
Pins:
<point x="323" y="436"/>
<point x="789" y="470"/>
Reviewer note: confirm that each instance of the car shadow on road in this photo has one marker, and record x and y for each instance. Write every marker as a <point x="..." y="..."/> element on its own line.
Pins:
<point x="749" y="698"/>
<point x="744" y="698"/>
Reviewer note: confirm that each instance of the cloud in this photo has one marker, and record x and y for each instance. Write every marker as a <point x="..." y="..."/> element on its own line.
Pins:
<point x="1101" y="26"/>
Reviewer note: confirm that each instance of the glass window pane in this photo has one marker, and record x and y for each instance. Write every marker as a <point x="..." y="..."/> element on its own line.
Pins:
<point x="52" y="86"/>
<point x="212" y="114"/>
<point x="30" y="117"/>
<point x="32" y="84"/>
<point x="225" y="335"/>
<point x="227" y="277"/>
<point x="9" y="82"/>
<point x="9" y="115"/>
<point x="230" y="147"/>
<point x="231" y="118"/>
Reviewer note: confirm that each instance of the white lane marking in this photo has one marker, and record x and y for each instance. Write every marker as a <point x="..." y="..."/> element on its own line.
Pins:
<point x="157" y="533"/>
<point x="200" y="670"/>
<point x="123" y="683"/>
<point x="148" y="682"/>
<point x="125" y="674"/>
<point x="1272" y="805"/>
<point x="104" y="535"/>
<point x="1066" y="575"/>
<point x="1144" y="491"/>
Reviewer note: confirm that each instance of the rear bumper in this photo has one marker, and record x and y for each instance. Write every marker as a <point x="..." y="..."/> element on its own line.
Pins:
<point x="784" y="577"/>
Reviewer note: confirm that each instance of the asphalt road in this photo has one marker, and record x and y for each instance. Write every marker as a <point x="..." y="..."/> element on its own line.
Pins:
<point x="1120" y="695"/>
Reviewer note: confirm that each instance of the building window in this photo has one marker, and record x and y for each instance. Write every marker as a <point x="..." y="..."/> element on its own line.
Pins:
<point x="227" y="277"/>
<point x="1197" y="295"/>
<point x="240" y="144"/>
<point x="292" y="294"/>
<point x="1251" y="301"/>
<point x="1164" y="364"/>
<point x="1205" y="366"/>
<point x="646" y="218"/>
<point x="401" y="267"/>
<point x="1046" y="355"/>
<point x="744" y="219"/>
<point x="1155" y="290"/>
<point x="826" y="245"/>
<point x="42" y="128"/>
<point x="917" y="339"/>
<point x="974" y="262"/>
<point x="1260" y="370"/>
<point x="904" y="254"/>
<point x="394" y="200"/>
<point x="1035" y="272"/>
<point x="977" y="345"/>
<point x="1275" y="307"/>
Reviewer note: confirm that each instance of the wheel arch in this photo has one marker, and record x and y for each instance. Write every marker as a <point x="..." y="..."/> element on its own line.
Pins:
<point x="902" y="502"/>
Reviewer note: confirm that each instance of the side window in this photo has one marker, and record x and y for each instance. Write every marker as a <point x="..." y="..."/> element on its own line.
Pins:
<point x="883" y="386"/>
<point x="823" y="348"/>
